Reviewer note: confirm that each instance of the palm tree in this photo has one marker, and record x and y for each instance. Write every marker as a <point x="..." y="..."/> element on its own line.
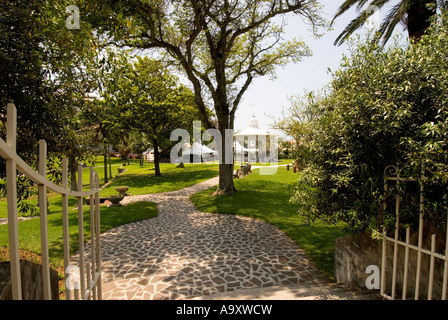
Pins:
<point x="414" y="14"/>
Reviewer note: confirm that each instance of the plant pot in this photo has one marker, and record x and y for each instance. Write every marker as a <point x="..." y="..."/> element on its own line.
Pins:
<point x="115" y="201"/>
<point x="122" y="190"/>
<point x="121" y="170"/>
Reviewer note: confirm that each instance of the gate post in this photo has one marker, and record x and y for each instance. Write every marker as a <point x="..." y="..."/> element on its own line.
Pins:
<point x="43" y="220"/>
<point x="11" y="187"/>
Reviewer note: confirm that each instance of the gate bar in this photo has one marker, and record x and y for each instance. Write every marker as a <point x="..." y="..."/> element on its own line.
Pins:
<point x="445" y="271"/>
<point x="406" y="262"/>
<point x="420" y="239"/>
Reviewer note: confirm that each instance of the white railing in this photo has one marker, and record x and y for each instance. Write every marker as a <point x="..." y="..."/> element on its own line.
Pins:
<point x="392" y="174"/>
<point x="90" y="271"/>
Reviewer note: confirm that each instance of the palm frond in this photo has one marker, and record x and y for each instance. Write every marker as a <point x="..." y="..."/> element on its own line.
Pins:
<point x="344" y="7"/>
<point x="395" y="16"/>
<point x="442" y="5"/>
<point x="358" y="22"/>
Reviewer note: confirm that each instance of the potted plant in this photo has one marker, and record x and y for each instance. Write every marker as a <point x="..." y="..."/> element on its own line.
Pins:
<point x="122" y="190"/>
<point x="121" y="170"/>
<point x="115" y="200"/>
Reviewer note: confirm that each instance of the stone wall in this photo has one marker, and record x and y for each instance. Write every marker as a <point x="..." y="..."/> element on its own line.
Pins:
<point x="32" y="282"/>
<point x="353" y="254"/>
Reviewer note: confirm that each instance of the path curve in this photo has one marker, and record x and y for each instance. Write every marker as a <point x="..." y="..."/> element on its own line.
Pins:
<point x="184" y="253"/>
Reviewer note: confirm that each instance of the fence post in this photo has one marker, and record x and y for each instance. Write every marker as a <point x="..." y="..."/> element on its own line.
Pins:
<point x="97" y="234"/>
<point x="43" y="220"/>
<point x="91" y="275"/>
<point x="445" y="269"/>
<point x="11" y="187"/>
<point x="81" y="235"/>
<point x="420" y="234"/>
<point x="65" y="225"/>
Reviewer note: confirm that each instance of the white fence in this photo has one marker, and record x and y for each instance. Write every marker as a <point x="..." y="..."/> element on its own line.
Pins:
<point x="90" y="273"/>
<point x="441" y="278"/>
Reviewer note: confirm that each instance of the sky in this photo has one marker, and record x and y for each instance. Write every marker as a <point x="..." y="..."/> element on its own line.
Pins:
<point x="267" y="97"/>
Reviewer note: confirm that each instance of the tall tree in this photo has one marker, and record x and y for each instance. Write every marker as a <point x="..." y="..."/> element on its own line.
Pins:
<point x="42" y="71"/>
<point x="221" y="45"/>
<point x="414" y="14"/>
<point x="153" y="104"/>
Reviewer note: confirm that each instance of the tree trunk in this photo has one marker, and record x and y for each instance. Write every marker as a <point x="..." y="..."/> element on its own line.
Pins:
<point x="225" y="185"/>
<point x="105" y="163"/>
<point x="418" y="16"/>
<point x="72" y="166"/>
<point x="110" y="165"/>
<point x="156" y="158"/>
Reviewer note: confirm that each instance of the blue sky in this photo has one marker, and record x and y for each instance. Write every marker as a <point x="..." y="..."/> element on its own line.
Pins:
<point x="268" y="97"/>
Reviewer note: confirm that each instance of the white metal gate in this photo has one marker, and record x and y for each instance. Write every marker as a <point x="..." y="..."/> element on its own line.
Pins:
<point x="390" y="292"/>
<point x="89" y="273"/>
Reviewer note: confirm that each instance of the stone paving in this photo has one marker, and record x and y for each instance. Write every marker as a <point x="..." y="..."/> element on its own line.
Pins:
<point x="184" y="253"/>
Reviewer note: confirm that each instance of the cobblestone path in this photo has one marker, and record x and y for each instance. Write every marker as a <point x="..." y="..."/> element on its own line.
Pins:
<point x="184" y="253"/>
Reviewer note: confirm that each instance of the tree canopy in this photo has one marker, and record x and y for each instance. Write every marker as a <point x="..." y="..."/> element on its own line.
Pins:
<point x="153" y="104"/>
<point x="44" y="72"/>
<point x="221" y="46"/>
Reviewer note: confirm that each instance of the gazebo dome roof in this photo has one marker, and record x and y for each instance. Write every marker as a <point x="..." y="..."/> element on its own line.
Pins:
<point x="253" y="129"/>
<point x="253" y="122"/>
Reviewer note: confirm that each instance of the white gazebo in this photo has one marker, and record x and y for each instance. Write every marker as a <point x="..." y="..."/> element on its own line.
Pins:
<point x="255" y="145"/>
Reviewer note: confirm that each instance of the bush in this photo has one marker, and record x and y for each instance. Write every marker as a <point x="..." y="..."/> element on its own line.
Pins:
<point x="385" y="106"/>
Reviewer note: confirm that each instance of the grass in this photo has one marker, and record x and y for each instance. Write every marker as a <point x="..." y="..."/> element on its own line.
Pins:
<point x="266" y="197"/>
<point x="279" y="162"/>
<point x="143" y="180"/>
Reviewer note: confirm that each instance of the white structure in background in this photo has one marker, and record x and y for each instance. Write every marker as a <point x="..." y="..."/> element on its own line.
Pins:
<point x="252" y="144"/>
<point x="148" y="155"/>
<point x="198" y="152"/>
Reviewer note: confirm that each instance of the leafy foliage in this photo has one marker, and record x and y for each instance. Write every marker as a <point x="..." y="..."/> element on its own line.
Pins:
<point x="144" y="98"/>
<point x="385" y="106"/>
<point x="44" y="71"/>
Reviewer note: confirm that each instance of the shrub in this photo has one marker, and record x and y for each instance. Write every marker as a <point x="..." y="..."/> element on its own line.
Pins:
<point x="384" y="106"/>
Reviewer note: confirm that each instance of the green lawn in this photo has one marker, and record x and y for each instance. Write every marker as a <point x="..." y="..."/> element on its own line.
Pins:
<point x="280" y="162"/>
<point x="143" y="180"/>
<point x="266" y="197"/>
<point x="98" y="165"/>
